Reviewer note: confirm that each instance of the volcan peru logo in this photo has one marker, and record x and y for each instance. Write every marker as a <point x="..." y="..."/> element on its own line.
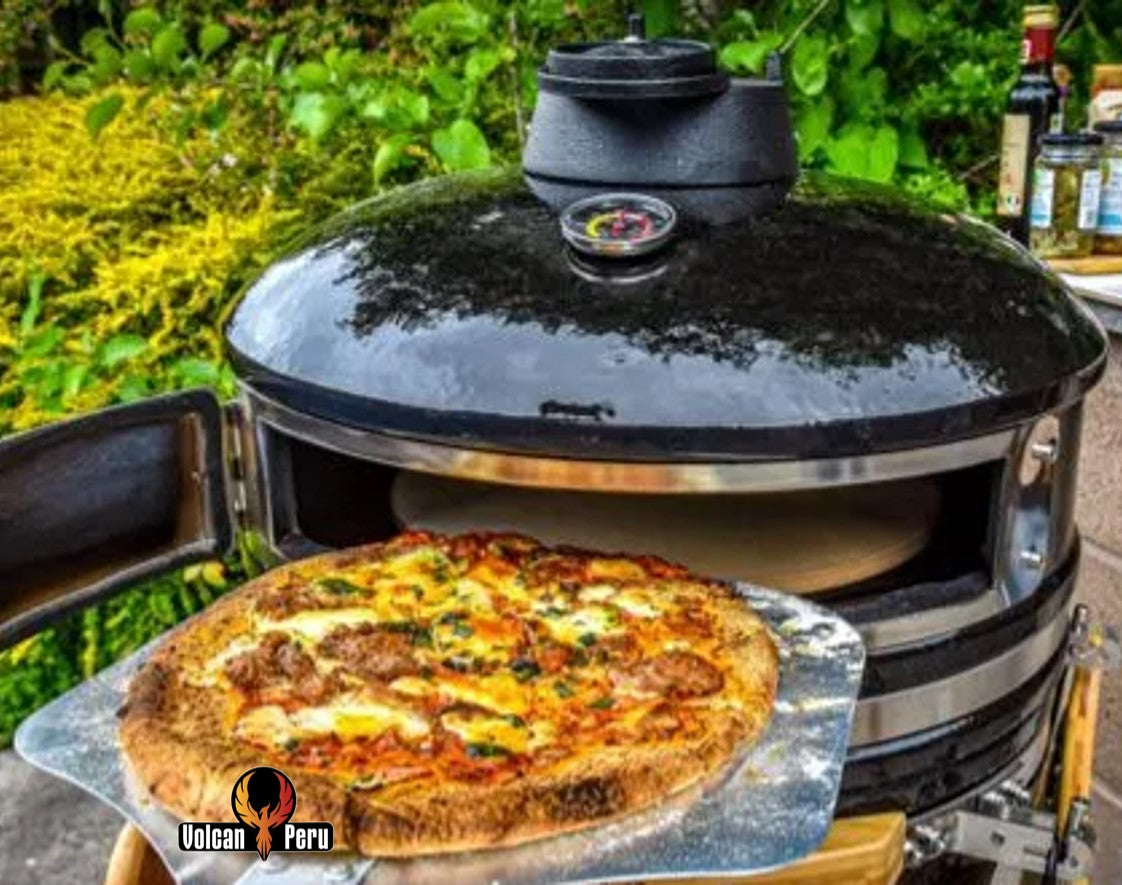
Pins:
<point x="263" y="800"/>
<point x="267" y="816"/>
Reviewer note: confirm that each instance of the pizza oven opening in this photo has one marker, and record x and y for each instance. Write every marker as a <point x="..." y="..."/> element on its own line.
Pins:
<point x="854" y="540"/>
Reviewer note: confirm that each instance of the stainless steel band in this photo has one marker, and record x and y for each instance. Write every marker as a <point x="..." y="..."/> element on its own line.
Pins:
<point x="634" y="476"/>
<point x="888" y="716"/>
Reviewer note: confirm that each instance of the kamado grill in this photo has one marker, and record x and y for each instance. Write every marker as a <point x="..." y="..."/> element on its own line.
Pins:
<point x="653" y="337"/>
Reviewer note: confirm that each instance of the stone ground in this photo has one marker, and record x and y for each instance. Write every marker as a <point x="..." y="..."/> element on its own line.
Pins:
<point x="52" y="833"/>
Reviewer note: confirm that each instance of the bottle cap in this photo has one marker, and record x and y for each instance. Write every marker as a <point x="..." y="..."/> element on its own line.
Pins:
<point x="1041" y="16"/>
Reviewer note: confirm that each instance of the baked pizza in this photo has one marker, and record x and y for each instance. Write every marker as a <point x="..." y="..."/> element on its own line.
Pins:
<point x="433" y="694"/>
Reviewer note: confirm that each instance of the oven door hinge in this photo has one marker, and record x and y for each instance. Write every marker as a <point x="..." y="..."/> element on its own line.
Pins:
<point x="1007" y="831"/>
<point x="237" y="465"/>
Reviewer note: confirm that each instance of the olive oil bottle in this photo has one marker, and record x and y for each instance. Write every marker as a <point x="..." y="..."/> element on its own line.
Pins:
<point x="1032" y="110"/>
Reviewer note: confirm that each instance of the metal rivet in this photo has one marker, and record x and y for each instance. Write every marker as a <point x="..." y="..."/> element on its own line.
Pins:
<point x="1046" y="452"/>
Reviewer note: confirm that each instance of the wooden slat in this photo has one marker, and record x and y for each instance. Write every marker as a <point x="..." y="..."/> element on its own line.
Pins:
<point x="1093" y="264"/>
<point x="135" y="862"/>
<point x="857" y="851"/>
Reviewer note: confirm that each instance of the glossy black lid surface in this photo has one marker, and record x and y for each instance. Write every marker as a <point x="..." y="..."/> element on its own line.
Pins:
<point x="843" y="322"/>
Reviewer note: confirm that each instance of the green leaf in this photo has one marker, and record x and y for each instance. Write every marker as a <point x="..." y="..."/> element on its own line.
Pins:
<point x="107" y="64"/>
<point x="913" y="150"/>
<point x="749" y="56"/>
<point x="122" y="348"/>
<point x="195" y="372"/>
<point x="133" y="387"/>
<point x="101" y="114"/>
<point x="389" y="155"/>
<point x="455" y="21"/>
<point x="214" y="115"/>
<point x="445" y="85"/>
<point x="54" y="73"/>
<point x="139" y="65"/>
<point x="142" y="22"/>
<point x="813" y="125"/>
<point x="864" y="16"/>
<point x="883" y="154"/>
<point x="397" y="108"/>
<point x="73" y="378"/>
<point x="274" y="51"/>
<point x="42" y="341"/>
<point x="862" y="49"/>
<point x="863" y="151"/>
<point x="906" y="19"/>
<point x="212" y="37"/>
<point x="93" y="40"/>
<point x="312" y="76"/>
<point x="461" y="146"/>
<point x="167" y="47"/>
<point x="661" y="17"/>
<point x="316" y="112"/>
<point x="480" y="63"/>
<point x="30" y="313"/>
<point x="809" y="64"/>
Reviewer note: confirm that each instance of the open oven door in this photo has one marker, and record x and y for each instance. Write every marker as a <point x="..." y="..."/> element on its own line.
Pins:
<point x="92" y="505"/>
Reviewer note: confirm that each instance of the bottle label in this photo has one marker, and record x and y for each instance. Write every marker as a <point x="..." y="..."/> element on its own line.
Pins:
<point x="1110" y="203"/>
<point x="1014" y="165"/>
<point x="1043" y="188"/>
<point x="1089" y="191"/>
<point x="1038" y="45"/>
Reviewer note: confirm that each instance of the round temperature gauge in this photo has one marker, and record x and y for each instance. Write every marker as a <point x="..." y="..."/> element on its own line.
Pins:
<point x="619" y="225"/>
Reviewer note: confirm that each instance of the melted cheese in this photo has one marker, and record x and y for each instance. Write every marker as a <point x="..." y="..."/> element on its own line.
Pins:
<point x="348" y="716"/>
<point x="488" y="730"/>
<point x="500" y="692"/>
<point x="594" y="620"/>
<point x="315" y="624"/>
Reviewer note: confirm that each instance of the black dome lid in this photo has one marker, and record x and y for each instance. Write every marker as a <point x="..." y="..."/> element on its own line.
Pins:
<point x="844" y="322"/>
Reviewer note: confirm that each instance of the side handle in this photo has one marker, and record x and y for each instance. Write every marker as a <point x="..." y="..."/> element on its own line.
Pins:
<point x="92" y="505"/>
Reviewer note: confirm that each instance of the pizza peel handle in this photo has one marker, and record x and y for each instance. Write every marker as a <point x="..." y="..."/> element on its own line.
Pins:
<point x="772" y="805"/>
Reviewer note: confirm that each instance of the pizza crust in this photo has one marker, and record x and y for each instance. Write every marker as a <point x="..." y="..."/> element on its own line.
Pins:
<point x="177" y="738"/>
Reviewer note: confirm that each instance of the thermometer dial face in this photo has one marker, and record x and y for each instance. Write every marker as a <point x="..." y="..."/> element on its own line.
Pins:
<point x="618" y="224"/>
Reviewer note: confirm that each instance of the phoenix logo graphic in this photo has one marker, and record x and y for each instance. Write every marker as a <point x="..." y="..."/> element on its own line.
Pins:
<point x="268" y="815"/>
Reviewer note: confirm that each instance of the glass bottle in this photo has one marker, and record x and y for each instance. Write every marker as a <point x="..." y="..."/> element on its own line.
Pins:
<point x="1066" y="183"/>
<point x="1032" y="109"/>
